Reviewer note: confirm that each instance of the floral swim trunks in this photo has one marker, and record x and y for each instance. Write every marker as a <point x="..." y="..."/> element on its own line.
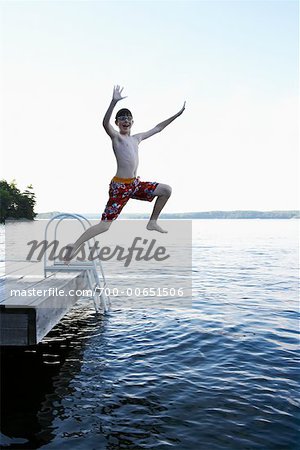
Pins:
<point x="121" y="190"/>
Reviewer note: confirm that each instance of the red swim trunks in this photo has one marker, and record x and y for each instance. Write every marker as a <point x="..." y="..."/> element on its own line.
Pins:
<point x="121" y="190"/>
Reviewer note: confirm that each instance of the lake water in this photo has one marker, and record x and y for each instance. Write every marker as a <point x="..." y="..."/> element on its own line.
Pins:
<point x="220" y="374"/>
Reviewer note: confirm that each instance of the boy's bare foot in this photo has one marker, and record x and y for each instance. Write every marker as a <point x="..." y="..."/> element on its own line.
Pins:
<point x="68" y="255"/>
<point x="153" y="226"/>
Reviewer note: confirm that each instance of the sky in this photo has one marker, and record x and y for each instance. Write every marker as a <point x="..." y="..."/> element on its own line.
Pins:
<point x="235" y="63"/>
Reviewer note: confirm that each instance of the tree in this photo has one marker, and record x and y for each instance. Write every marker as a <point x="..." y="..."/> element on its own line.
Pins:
<point x="15" y="204"/>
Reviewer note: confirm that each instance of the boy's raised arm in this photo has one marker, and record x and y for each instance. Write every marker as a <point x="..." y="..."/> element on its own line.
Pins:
<point x="116" y="97"/>
<point x="159" y="127"/>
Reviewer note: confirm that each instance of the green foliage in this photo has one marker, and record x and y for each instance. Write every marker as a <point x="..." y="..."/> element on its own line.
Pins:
<point x="15" y="204"/>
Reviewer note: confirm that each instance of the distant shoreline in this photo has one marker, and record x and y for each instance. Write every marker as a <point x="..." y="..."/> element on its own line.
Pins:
<point x="247" y="214"/>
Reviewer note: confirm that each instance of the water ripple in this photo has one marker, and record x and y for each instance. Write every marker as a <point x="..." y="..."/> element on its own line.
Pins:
<point x="222" y="374"/>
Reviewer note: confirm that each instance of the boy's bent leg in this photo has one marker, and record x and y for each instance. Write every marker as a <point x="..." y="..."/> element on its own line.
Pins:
<point x="163" y="193"/>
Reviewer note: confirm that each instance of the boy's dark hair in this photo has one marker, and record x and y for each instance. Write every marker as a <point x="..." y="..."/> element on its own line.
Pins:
<point x="123" y="112"/>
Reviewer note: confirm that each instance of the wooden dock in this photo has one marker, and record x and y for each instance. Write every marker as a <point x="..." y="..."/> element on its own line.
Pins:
<point x="36" y="292"/>
<point x="31" y="305"/>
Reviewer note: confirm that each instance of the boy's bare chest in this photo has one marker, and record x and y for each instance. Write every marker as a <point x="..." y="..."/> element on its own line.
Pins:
<point x="127" y="146"/>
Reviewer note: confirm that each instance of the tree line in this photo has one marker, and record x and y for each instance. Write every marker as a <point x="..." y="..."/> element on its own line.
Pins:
<point x="15" y="204"/>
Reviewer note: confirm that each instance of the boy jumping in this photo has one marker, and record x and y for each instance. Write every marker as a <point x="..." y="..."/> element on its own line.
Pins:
<point x="126" y="184"/>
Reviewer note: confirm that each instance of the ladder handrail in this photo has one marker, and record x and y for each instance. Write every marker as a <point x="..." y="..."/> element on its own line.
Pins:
<point x="91" y="265"/>
<point x="61" y="217"/>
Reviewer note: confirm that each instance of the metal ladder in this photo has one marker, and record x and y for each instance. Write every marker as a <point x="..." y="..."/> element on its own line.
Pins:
<point x="92" y="269"/>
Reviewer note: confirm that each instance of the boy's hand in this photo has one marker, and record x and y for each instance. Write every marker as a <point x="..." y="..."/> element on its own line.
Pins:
<point x="182" y="109"/>
<point x="117" y="93"/>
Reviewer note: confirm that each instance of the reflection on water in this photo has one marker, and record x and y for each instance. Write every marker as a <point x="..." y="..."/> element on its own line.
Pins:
<point x="33" y="379"/>
<point x="219" y="374"/>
